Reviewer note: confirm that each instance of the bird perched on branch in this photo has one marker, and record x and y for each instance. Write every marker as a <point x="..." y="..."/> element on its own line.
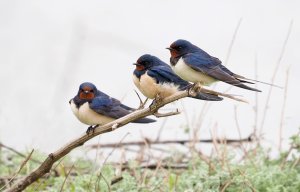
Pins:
<point x="93" y="107"/>
<point x="153" y="78"/>
<point x="195" y="65"/>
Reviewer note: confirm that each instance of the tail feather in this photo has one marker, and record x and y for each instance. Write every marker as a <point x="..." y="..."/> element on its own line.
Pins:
<point x="144" y="120"/>
<point x="244" y="81"/>
<point x="207" y="97"/>
<point x="241" y="85"/>
<point x="247" y="80"/>
<point x="263" y="83"/>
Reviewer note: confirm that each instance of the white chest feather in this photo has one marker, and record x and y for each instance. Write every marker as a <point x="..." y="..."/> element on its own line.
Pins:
<point x="87" y="116"/>
<point x="148" y="86"/>
<point x="189" y="74"/>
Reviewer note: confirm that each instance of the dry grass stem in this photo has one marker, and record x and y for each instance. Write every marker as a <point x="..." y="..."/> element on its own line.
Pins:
<point x="283" y="108"/>
<point x="274" y="76"/>
<point x="62" y="186"/>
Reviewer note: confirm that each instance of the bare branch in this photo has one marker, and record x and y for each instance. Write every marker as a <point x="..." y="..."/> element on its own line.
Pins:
<point x="159" y="142"/>
<point x="158" y="115"/>
<point x="158" y="165"/>
<point x="45" y="167"/>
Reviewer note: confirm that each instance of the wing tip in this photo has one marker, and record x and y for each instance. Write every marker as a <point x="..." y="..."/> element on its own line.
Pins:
<point x="144" y="120"/>
<point x="207" y="97"/>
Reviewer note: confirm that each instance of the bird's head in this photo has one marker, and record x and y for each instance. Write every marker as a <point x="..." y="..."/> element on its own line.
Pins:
<point x="87" y="91"/>
<point x="181" y="47"/>
<point x="146" y="62"/>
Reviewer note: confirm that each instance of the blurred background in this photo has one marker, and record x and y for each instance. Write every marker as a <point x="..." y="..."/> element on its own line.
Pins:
<point x="48" y="48"/>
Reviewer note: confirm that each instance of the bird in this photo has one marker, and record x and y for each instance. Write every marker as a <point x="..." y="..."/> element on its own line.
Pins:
<point x="93" y="107"/>
<point x="154" y="77"/>
<point x="195" y="65"/>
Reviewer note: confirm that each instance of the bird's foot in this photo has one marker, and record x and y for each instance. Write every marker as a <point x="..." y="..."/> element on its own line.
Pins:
<point x="189" y="86"/>
<point x="156" y="101"/>
<point x="91" y="129"/>
<point x="194" y="89"/>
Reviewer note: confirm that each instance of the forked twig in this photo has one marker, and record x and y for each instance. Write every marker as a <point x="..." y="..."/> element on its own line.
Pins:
<point x="142" y="104"/>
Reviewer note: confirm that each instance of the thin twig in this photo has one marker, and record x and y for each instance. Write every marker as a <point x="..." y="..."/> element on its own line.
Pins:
<point x="288" y="153"/>
<point x="142" y="104"/>
<point x="94" y="164"/>
<point x="274" y="76"/>
<point x="247" y="182"/>
<point x="106" y="182"/>
<point x="18" y="153"/>
<point x="295" y="163"/>
<point x="229" y="50"/>
<point x="239" y="129"/>
<point x="163" y="142"/>
<point x="161" y="129"/>
<point x="21" y="167"/>
<point x="256" y="99"/>
<point x="283" y="108"/>
<point x="62" y="186"/>
<point x="100" y="172"/>
<point x="283" y="162"/>
<point x="200" y="118"/>
<point x="158" y="115"/>
<point x="215" y="143"/>
<point x="224" y="187"/>
<point x="232" y="41"/>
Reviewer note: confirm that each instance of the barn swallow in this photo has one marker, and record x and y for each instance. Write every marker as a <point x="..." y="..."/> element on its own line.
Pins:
<point x="195" y="65"/>
<point x="93" y="107"/>
<point x="154" y="77"/>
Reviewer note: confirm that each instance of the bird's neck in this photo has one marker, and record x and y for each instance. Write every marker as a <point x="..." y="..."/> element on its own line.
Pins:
<point x="138" y="74"/>
<point x="79" y="102"/>
<point x="174" y="60"/>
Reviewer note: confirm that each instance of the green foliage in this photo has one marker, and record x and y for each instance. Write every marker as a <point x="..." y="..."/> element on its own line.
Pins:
<point x="256" y="172"/>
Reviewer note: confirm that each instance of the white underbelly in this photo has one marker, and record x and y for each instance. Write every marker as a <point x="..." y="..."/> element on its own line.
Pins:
<point x="87" y="116"/>
<point x="148" y="86"/>
<point x="189" y="74"/>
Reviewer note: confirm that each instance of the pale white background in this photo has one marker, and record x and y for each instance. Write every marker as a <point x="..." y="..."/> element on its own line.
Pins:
<point x="47" y="48"/>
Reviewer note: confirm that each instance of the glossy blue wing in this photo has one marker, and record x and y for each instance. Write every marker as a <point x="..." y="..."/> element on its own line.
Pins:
<point x="109" y="107"/>
<point x="164" y="74"/>
<point x="211" y="66"/>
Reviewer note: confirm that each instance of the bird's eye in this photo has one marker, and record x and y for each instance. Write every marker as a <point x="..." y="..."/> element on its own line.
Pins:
<point x="92" y="90"/>
<point x="179" y="47"/>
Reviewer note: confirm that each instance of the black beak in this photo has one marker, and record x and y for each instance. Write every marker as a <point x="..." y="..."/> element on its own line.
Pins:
<point x="169" y="48"/>
<point x="136" y="64"/>
<point x="86" y="92"/>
